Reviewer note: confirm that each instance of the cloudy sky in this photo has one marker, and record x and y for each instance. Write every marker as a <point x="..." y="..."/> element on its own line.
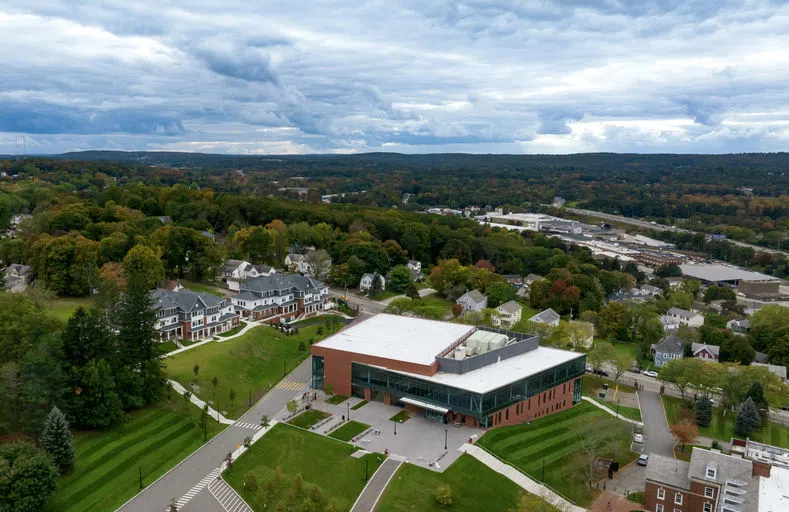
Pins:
<point x="319" y="76"/>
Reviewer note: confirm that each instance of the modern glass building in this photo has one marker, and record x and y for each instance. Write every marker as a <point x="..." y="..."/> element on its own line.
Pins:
<point x="449" y="372"/>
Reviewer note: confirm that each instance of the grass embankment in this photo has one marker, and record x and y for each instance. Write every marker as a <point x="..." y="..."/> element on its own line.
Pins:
<point x="555" y="441"/>
<point x="626" y="412"/>
<point x="593" y="384"/>
<point x="433" y="307"/>
<point x="349" y="430"/>
<point x="309" y="418"/>
<point x="322" y="462"/>
<point x="254" y="363"/>
<point x="63" y="307"/>
<point x="108" y="462"/>
<point x="722" y="426"/>
<point x="474" y="487"/>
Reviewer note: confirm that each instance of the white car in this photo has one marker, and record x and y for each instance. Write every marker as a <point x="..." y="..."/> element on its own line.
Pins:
<point x="638" y="438"/>
<point x="650" y="373"/>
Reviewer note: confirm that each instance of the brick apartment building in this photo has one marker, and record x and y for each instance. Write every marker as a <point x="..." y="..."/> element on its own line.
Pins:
<point x="449" y="372"/>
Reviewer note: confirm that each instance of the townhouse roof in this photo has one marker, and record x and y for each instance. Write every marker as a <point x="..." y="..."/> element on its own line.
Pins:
<point x="230" y="265"/>
<point x="19" y="268"/>
<point x="546" y="316"/>
<point x="670" y="344"/>
<point x="185" y="300"/>
<point x="510" y="307"/>
<point x="682" y="313"/>
<point x="668" y="471"/>
<point x="280" y="282"/>
<point x="729" y="469"/>
<point x="712" y="349"/>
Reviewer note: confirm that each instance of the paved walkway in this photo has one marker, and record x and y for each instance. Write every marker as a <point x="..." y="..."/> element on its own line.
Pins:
<point x="658" y="438"/>
<point x="376" y="485"/>
<point x="519" y="478"/>
<point x="609" y="410"/>
<point x="250" y="325"/>
<point x="200" y="403"/>
<point x="609" y="502"/>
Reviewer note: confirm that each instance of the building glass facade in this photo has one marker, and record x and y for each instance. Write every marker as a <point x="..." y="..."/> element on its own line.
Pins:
<point x="317" y="372"/>
<point x="479" y="405"/>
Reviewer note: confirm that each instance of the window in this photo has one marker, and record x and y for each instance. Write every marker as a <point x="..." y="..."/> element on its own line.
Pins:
<point x="658" y="508"/>
<point x="711" y="472"/>
<point x="709" y="492"/>
<point x="707" y="507"/>
<point x="661" y="494"/>
<point x="678" y="498"/>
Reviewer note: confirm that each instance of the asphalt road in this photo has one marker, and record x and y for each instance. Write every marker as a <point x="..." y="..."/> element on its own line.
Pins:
<point x="657" y="436"/>
<point x="372" y="491"/>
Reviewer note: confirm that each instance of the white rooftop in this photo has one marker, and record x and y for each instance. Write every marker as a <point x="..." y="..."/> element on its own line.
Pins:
<point x="719" y="272"/>
<point x="774" y="491"/>
<point x="496" y="375"/>
<point x="413" y="340"/>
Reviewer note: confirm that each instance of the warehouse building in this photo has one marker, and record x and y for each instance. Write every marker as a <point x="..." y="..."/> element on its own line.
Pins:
<point x="449" y="372"/>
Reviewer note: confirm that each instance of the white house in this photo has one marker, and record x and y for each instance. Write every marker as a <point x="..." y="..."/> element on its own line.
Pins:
<point x="366" y="282"/>
<point x="507" y="314"/>
<point x="472" y="301"/>
<point x="315" y="263"/>
<point x="234" y="272"/>
<point x="547" y="316"/>
<point x="685" y="317"/>
<point x="416" y="270"/>
<point x="17" y="277"/>
<point x="739" y="326"/>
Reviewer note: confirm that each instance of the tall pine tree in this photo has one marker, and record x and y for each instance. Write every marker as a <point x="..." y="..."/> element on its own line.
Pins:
<point x="703" y="411"/>
<point x="748" y="418"/>
<point x="57" y="442"/>
<point x="140" y="376"/>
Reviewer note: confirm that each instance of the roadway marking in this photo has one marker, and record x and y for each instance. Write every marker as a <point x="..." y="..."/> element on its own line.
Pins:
<point x="247" y="425"/>
<point x="290" y="385"/>
<point x="199" y="486"/>
<point x="227" y="497"/>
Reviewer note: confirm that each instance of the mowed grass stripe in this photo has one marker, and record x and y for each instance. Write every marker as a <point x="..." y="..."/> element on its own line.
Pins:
<point x="182" y="446"/>
<point x="93" y="442"/>
<point x="99" y="473"/>
<point x="541" y="430"/>
<point x="557" y="447"/>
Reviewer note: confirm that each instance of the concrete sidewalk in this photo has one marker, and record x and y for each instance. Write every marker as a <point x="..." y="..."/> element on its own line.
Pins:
<point x="375" y="487"/>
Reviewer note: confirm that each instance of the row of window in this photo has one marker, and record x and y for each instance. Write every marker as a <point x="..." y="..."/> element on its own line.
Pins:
<point x="709" y="492"/>
<point x="707" y="507"/>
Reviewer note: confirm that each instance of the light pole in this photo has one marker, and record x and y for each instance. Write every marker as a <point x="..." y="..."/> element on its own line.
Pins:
<point x="349" y="411"/>
<point x="446" y="433"/>
<point x="395" y="426"/>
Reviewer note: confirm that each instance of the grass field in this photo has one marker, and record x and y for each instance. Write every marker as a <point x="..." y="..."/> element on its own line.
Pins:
<point x="474" y="487"/>
<point x="63" y="307"/>
<point x="434" y="307"/>
<point x="252" y="363"/>
<point x="309" y="418"/>
<point x="595" y="382"/>
<point x="359" y="405"/>
<point x="349" y="430"/>
<point x="555" y="442"/>
<point x="107" y="462"/>
<point x="167" y="346"/>
<point x="200" y="287"/>
<point x="400" y="417"/>
<point x="337" y="399"/>
<point x="627" y="412"/>
<point x="632" y="351"/>
<point x="722" y="427"/>
<point x="322" y="462"/>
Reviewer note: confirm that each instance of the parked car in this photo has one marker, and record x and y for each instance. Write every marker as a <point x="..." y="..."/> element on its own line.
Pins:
<point x="650" y="373"/>
<point x="638" y="438"/>
<point x="643" y="459"/>
<point x="636" y="370"/>
<point x="602" y="373"/>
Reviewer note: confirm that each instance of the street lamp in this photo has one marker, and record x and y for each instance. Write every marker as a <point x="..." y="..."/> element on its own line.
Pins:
<point x="446" y="432"/>
<point x="395" y="426"/>
<point x="349" y="410"/>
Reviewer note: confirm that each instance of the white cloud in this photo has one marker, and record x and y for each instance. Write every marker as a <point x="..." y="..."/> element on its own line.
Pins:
<point x="412" y="76"/>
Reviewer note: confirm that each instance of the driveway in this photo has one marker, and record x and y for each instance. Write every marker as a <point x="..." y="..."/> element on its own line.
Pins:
<point x="657" y="436"/>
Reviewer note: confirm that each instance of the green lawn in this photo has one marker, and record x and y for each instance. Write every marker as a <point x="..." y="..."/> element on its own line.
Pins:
<point x="627" y="412"/>
<point x="595" y="382"/>
<point x="474" y="487"/>
<point x="309" y="418"/>
<point x="200" y="287"/>
<point x="722" y="427"/>
<point x="337" y="399"/>
<point x="167" y="346"/>
<point x="233" y="331"/>
<point x="63" y="307"/>
<point x="555" y="442"/>
<point x="349" y="430"/>
<point x="107" y="462"/>
<point x="388" y="294"/>
<point x="322" y="462"/>
<point x="254" y="363"/>
<point x="359" y="405"/>
<point x="401" y="417"/>
<point x="632" y="351"/>
<point x="434" y="307"/>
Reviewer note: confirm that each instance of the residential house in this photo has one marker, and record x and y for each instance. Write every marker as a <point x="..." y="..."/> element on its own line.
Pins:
<point x="14" y="223"/>
<point x="705" y="352"/>
<point x="647" y="290"/>
<point x="738" y="326"/>
<point x="315" y="263"/>
<point x="293" y="262"/>
<point x="685" y="317"/>
<point x="208" y="234"/>
<point x="17" y="277"/>
<point x="527" y="281"/>
<point x="280" y="297"/>
<point x="234" y="272"/>
<point x="515" y="280"/>
<point x="668" y="348"/>
<point x="171" y="285"/>
<point x="778" y="370"/>
<point x="760" y="357"/>
<point x="416" y="270"/>
<point x="669" y="323"/>
<point x="548" y="316"/>
<point x="191" y="315"/>
<point x="507" y="314"/>
<point x="366" y="283"/>
<point x="674" y="282"/>
<point x="710" y="482"/>
<point x="472" y="301"/>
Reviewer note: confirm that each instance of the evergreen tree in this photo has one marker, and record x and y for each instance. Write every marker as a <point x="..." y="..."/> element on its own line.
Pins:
<point x="703" y="411"/>
<point x="412" y="292"/>
<point x="748" y="418"/>
<point x="140" y="375"/>
<point x="377" y="287"/>
<point x="57" y="442"/>
<point x="756" y="393"/>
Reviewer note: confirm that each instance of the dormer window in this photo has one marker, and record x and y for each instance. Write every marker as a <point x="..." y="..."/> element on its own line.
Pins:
<point x="711" y="472"/>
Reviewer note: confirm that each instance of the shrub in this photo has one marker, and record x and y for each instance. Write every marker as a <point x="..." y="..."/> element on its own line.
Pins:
<point x="444" y="495"/>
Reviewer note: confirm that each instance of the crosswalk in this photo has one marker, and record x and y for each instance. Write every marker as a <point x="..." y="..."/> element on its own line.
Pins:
<point x="227" y="497"/>
<point x="247" y="425"/>
<point x="199" y="486"/>
<point x="291" y="385"/>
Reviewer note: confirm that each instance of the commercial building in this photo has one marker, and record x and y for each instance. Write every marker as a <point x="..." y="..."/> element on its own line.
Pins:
<point x="449" y="372"/>
<point x="720" y="274"/>
<point x="762" y="289"/>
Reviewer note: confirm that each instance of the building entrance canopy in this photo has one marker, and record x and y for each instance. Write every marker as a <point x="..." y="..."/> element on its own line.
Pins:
<point x="424" y="405"/>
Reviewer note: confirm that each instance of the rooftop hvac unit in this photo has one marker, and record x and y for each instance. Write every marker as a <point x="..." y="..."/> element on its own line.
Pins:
<point x="460" y="353"/>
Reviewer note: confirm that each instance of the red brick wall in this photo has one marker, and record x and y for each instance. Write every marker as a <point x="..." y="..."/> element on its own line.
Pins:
<point x="556" y="399"/>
